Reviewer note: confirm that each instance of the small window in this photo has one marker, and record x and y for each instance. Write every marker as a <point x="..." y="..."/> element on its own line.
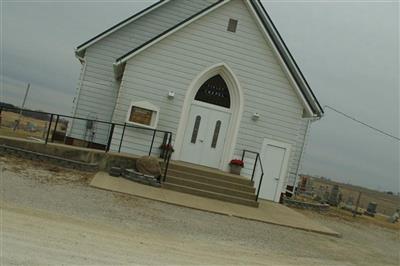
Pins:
<point x="195" y="129"/>
<point x="216" y="134"/>
<point x="232" y="25"/>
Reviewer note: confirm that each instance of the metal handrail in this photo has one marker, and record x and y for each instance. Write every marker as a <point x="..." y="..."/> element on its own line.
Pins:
<point x="167" y="158"/>
<point x="80" y="118"/>
<point x="258" y="158"/>
<point x="168" y="134"/>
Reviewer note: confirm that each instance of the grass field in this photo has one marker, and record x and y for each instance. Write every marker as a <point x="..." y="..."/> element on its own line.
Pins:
<point x="346" y="216"/>
<point x="386" y="204"/>
<point x="28" y="127"/>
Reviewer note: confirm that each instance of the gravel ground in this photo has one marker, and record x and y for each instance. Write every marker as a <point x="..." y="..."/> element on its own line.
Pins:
<point x="157" y="233"/>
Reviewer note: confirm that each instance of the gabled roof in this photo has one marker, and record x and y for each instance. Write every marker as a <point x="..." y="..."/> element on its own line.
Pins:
<point x="306" y="93"/>
<point x="80" y="50"/>
<point x="283" y="52"/>
<point x="122" y="59"/>
<point x="174" y="28"/>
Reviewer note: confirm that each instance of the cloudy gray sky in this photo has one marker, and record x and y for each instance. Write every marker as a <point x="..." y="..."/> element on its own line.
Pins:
<point x="349" y="52"/>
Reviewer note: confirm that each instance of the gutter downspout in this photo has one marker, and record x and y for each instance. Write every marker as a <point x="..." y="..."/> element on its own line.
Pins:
<point x="305" y="139"/>
<point x="80" y="84"/>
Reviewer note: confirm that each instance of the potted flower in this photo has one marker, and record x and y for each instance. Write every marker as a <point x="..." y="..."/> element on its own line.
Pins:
<point x="236" y="166"/>
<point x="166" y="149"/>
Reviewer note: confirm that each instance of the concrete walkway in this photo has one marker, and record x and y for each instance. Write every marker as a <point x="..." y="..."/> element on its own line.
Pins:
<point x="267" y="212"/>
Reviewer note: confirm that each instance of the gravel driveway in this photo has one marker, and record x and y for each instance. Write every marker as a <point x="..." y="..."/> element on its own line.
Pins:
<point x="51" y="216"/>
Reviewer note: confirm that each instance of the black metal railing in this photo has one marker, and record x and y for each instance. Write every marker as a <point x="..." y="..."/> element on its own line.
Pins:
<point x="257" y="159"/>
<point x="49" y="132"/>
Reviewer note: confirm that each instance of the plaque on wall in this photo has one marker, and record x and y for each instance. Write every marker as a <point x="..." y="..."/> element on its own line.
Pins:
<point x="141" y="116"/>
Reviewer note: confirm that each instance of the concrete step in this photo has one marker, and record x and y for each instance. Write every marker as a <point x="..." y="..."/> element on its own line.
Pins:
<point x="208" y="194"/>
<point x="210" y="180"/>
<point x="210" y="187"/>
<point x="210" y="173"/>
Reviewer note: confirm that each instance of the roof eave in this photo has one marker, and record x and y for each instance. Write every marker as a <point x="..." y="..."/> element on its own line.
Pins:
<point x="82" y="47"/>
<point x="118" y="70"/>
<point x="121" y="61"/>
<point x="168" y="32"/>
<point x="80" y="55"/>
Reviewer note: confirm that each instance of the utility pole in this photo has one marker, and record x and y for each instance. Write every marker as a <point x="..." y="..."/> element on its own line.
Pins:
<point x="22" y="107"/>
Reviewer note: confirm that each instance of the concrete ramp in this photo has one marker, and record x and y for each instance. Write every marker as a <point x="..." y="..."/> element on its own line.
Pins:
<point x="267" y="212"/>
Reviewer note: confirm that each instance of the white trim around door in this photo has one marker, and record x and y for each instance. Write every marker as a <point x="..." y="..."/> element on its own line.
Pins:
<point x="274" y="156"/>
<point x="236" y="111"/>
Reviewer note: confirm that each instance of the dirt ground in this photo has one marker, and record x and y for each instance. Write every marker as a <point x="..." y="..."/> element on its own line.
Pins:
<point x="50" y="216"/>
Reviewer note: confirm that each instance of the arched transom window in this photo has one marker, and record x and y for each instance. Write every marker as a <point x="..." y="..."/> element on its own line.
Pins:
<point x="214" y="91"/>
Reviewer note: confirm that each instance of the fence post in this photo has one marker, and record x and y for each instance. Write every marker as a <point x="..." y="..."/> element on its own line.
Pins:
<point x="110" y="137"/>
<point x="55" y="128"/>
<point x="49" y="129"/>
<point x="152" y="142"/>
<point x="122" y="137"/>
<point x="164" y="144"/>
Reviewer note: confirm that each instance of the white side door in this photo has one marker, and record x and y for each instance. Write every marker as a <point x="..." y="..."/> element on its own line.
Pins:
<point x="205" y="136"/>
<point x="275" y="160"/>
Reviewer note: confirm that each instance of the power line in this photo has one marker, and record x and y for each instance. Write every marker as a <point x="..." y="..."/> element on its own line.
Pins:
<point x="360" y="122"/>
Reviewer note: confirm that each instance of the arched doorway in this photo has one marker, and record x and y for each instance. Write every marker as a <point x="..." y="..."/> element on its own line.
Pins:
<point x="210" y="119"/>
<point x="208" y="123"/>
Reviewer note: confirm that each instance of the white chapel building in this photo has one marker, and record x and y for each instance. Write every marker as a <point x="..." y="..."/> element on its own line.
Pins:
<point x="214" y="73"/>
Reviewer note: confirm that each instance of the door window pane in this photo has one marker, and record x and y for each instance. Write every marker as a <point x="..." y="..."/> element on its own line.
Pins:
<point x="196" y="129"/>
<point x="216" y="134"/>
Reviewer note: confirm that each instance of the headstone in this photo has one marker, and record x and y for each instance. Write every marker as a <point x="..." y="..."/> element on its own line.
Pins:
<point x="325" y="196"/>
<point x="309" y="185"/>
<point x="302" y="183"/>
<point x="350" y="201"/>
<point x="395" y="217"/>
<point x="319" y="195"/>
<point x="334" y="196"/>
<point x="340" y="198"/>
<point x="371" y="209"/>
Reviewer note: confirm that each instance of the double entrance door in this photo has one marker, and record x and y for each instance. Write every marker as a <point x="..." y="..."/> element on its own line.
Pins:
<point x="205" y="135"/>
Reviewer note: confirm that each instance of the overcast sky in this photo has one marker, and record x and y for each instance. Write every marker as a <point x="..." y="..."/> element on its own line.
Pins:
<point x="348" y="51"/>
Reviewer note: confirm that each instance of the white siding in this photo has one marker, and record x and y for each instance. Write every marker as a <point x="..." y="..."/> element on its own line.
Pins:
<point x="97" y="94"/>
<point x="175" y="61"/>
